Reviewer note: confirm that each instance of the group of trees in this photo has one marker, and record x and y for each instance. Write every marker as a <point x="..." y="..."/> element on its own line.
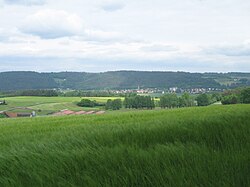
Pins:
<point x="241" y="95"/>
<point x="133" y="101"/>
<point x="89" y="103"/>
<point x="139" y="102"/>
<point x="172" y="101"/>
<point x="113" y="104"/>
<point x="40" y="93"/>
<point x="55" y="93"/>
<point x="82" y="93"/>
<point x="43" y="93"/>
<point x="208" y="99"/>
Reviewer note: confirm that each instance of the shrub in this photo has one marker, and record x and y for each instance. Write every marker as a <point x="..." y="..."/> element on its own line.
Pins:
<point x="88" y="103"/>
<point x="203" y="100"/>
<point x="114" y="104"/>
<point x="245" y="95"/>
<point x="230" y="99"/>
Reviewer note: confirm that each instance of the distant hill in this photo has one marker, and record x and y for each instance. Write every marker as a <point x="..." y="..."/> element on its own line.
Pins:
<point x="119" y="80"/>
<point x="25" y="81"/>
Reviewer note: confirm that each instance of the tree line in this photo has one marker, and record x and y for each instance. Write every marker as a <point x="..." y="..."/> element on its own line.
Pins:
<point x="130" y="102"/>
<point x="89" y="103"/>
<point x="93" y="93"/>
<point x="55" y="93"/>
<point x="169" y="100"/>
<point x="240" y="95"/>
<point x="40" y="93"/>
<point x="139" y="102"/>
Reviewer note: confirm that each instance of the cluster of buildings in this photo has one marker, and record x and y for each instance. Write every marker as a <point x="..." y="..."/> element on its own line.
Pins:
<point x="138" y="91"/>
<point x="169" y="90"/>
<point x="195" y="90"/>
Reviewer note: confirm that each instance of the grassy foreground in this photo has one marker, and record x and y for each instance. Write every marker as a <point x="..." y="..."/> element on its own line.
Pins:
<point x="207" y="146"/>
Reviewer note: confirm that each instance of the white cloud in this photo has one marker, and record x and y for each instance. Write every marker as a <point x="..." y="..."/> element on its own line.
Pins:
<point x="3" y="35"/>
<point x="229" y="50"/>
<point x="25" y="2"/>
<point x="102" y="36"/>
<point x="111" y="6"/>
<point x="51" y="24"/>
<point x="159" y="48"/>
<point x="174" y="34"/>
<point x="12" y="36"/>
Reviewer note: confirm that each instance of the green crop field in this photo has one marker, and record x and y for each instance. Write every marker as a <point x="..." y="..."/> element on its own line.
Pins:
<point x="201" y="146"/>
<point x="46" y="105"/>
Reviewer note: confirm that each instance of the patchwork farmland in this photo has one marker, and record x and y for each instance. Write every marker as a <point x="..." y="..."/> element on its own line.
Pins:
<point x="49" y="105"/>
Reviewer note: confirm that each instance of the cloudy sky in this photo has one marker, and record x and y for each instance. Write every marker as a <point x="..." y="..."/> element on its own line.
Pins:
<point x="105" y="35"/>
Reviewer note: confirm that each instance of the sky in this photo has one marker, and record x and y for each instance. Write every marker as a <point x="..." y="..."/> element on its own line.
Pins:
<point x="109" y="35"/>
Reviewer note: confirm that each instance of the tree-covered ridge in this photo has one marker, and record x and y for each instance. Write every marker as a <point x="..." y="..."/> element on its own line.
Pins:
<point x="26" y="81"/>
<point x="120" y="80"/>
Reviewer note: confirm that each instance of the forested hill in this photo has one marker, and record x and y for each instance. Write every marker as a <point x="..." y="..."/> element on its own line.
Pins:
<point x="26" y="81"/>
<point x="119" y="80"/>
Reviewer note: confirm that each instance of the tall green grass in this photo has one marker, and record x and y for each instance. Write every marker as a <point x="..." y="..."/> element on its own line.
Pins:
<point x="207" y="146"/>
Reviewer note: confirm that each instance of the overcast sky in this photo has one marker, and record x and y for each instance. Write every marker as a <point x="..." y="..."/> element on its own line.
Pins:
<point x="105" y="35"/>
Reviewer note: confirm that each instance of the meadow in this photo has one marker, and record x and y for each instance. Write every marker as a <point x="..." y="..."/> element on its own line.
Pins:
<point x="46" y="105"/>
<point x="200" y="146"/>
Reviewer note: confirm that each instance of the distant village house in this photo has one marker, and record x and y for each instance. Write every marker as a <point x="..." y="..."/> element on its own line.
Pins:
<point x="19" y="115"/>
<point x="3" y="102"/>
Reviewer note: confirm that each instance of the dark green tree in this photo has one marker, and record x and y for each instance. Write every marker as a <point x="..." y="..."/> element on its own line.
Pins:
<point x="245" y="95"/>
<point x="203" y="100"/>
<point x="108" y="105"/>
<point x="114" y="104"/>
<point x="86" y="103"/>
<point x="139" y="102"/>
<point x="230" y="99"/>
<point x="169" y="101"/>
<point x="117" y="104"/>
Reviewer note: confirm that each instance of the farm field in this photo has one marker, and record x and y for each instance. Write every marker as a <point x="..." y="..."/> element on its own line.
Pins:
<point x="46" y="105"/>
<point x="200" y="146"/>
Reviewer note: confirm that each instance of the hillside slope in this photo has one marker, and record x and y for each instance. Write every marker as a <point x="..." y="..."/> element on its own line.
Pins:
<point x="25" y="81"/>
<point x="133" y="79"/>
<point x="119" y="80"/>
<point x="207" y="146"/>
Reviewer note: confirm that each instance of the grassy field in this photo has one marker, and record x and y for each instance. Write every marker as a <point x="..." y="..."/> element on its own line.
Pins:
<point x="206" y="146"/>
<point x="47" y="105"/>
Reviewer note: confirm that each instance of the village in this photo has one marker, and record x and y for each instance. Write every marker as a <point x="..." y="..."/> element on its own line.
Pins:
<point x="17" y="111"/>
<point x="140" y="90"/>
